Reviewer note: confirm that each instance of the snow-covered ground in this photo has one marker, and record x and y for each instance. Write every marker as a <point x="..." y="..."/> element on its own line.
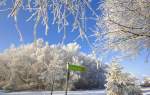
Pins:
<point x="146" y="91"/>
<point x="93" y="92"/>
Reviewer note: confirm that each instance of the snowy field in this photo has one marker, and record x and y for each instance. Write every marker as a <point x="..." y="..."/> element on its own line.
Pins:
<point x="56" y="93"/>
<point x="92" y="92"/>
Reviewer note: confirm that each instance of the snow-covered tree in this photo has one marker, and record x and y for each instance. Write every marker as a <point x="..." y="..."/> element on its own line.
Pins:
<point x="38" y="65"/>
<point x="92" y="73"/>
<point x="125" y="26"/>
<point x="4" y="70"/>
<point x="120" y="83"/>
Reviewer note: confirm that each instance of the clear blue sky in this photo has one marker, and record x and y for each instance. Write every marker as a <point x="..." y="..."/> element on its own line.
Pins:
<point x="8" y="35"/>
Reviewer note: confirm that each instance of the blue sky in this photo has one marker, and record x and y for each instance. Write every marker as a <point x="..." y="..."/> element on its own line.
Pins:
<point x="8" y="35"/>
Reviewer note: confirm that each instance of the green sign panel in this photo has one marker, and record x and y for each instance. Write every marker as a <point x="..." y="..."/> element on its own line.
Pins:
<point x="76" y="68"/>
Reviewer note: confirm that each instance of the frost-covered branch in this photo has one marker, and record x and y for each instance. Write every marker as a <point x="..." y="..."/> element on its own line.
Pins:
<point x="125" y="26"/>
<point x="57" y="12"/>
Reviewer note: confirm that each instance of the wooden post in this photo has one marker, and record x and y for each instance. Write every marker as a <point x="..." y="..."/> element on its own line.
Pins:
<point x="67" y="79"/>
<point x="52" y="88"/>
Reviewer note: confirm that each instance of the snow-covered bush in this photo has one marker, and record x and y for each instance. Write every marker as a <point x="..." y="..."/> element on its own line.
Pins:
<point x="38" y="65"/>
<point x="146" y="82"/>
<point x="120" y="83"/>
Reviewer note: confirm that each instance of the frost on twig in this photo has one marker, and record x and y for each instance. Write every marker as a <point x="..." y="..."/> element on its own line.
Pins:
<point x="61" y="11"/>
<point x="125" y="25"/>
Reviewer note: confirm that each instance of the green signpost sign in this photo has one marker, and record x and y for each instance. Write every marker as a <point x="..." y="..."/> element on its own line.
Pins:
<point x="76" y="68"/>
<point x="73" y="67"/>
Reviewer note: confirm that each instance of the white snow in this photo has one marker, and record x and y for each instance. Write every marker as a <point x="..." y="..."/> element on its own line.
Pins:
<point x="93" y="92"/>
<point x="146" y="91"/>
